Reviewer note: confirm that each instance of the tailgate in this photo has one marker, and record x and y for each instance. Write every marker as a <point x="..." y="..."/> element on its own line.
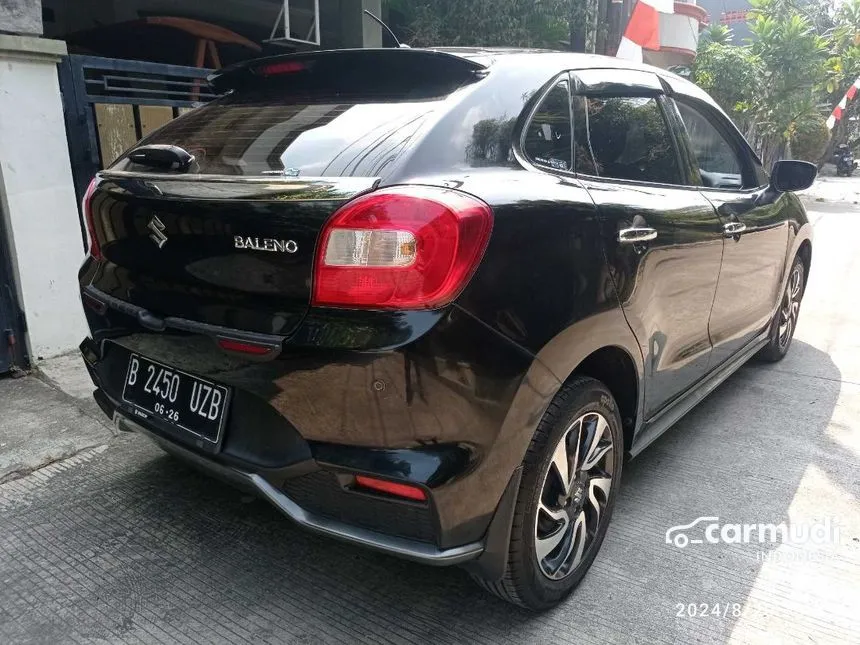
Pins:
<point x="234" y="253"/>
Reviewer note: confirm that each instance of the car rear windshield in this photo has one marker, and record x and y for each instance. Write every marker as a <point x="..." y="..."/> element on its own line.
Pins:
<point x="266" y="133"/>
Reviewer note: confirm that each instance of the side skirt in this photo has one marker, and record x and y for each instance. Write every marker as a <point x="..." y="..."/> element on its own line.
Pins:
<point x="670" y="415"/>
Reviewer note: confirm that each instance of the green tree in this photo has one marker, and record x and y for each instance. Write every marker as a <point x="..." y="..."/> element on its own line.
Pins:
<point x="716" y="33"/>
<point x="487" y="23"/>
<point x="730" y="74"/>
<point x="794" y="59"/>
<point x="810" y="139"/>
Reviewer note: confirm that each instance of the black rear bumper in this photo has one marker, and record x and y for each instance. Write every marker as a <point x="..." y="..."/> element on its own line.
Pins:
<point x="435" y="412"/>
<point x="418" y="551"/>
<point x="309" y="482"/>
<point x="300" y="479"/>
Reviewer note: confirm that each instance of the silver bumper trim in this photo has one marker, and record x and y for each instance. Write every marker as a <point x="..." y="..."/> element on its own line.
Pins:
<point x="401" y="547"/>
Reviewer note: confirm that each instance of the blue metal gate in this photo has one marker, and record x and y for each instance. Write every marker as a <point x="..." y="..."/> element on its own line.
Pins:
<point x="106" y="102"/>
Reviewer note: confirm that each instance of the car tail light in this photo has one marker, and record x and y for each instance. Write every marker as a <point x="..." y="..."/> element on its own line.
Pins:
<point x="405" y="247"/>
<point x="392" y="488"/>
<point x="86" y="207"/>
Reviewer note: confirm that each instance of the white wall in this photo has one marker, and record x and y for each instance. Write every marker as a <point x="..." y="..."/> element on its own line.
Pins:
<point x="37" y="197"/>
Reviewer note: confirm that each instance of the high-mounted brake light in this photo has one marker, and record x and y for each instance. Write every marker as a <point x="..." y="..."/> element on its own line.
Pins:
<point x="86" y="208"/>
<point x="406" y="491"/>
<point x="405" y="247"/>
<point x="284" y="67"/>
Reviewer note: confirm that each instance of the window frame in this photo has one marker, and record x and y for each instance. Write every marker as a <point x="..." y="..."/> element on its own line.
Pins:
<point x="730" y="135"/>
<point x="521" y="130"/>
<point x="622" y="89"/>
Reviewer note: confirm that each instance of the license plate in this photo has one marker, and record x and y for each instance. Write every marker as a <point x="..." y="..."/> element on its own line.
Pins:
<point x="188" y="402"/>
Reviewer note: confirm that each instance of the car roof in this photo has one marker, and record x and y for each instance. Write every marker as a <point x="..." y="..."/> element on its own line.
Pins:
<point x="555" y="59"/>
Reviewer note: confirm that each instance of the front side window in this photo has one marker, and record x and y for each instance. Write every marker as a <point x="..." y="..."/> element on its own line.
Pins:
<point x="718" y="163"/>
<point x="626" y="137"/>
<point x="547" y="140"/>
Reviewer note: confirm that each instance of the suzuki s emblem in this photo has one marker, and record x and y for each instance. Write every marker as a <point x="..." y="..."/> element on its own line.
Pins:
<point x="157" y="227"/>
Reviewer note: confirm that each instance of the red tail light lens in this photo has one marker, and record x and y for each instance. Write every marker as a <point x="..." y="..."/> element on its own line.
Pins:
<point x="241" y="347"/>
<point x="86" y="208"/>
<point x="405" y="247"/>
<point x="392" y="488"/>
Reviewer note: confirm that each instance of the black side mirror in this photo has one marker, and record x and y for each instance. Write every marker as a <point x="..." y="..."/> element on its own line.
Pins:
<point x="790" y="175"/>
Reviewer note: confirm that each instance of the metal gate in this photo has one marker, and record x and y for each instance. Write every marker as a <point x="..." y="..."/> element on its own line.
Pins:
<point x="12" y="348"/>
<point x="110" y="104"/>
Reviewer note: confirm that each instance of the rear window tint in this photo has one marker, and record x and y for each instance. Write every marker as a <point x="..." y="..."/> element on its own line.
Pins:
<point x="627" y="138"/>
<point x="548" y="135"/>
<point x="308" y="137"/>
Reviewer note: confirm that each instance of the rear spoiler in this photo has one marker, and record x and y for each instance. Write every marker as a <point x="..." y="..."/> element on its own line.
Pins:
<point x="316" y="69"/>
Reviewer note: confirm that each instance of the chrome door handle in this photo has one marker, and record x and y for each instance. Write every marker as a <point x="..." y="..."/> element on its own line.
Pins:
<point x="636" y="235"/>
<point x="734" y="228"/>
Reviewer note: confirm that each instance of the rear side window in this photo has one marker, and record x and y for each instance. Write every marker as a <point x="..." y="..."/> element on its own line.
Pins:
<point x="262" y="133"/>
<point x="718" y="162"/>
<point x="626" y="138"/>
<point x="548" y="137"/>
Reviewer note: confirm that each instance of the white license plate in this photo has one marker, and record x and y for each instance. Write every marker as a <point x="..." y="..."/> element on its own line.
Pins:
<point x="188" y="402"/>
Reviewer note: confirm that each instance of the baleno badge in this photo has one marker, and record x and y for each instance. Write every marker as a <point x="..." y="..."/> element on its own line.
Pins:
<point x="265" y="244"/>
<point x="157" y="227"/>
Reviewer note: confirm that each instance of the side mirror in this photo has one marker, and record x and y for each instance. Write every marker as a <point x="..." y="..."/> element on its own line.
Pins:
<point x="790" y="175"/>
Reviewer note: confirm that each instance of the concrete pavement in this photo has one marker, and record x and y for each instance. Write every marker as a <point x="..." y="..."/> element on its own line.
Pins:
<point x="122" y="544"/>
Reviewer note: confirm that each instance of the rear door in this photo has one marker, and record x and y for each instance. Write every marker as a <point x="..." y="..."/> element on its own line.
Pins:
<point x="227" y="237"/>
<point x="663" y="239"/>
<point x="754" y="224"/>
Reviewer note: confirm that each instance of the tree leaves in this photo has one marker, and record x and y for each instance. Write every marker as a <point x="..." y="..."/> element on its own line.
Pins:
<point x="486" y="23"/>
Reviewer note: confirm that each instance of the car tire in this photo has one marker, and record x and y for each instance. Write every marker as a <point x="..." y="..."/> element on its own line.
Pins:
<point x="785" y="321"/>
<point x="582" y="420"/>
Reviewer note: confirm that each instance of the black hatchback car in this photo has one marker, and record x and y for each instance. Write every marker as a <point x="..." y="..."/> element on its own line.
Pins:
<point x="427" y="301"/>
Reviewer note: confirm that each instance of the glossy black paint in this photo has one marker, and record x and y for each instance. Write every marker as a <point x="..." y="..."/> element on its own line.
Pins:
<point x="199" y="273"/>
<point x="445" y="399"/>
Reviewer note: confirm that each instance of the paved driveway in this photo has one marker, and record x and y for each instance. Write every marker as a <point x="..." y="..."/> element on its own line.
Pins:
<point x="119" y="543"/>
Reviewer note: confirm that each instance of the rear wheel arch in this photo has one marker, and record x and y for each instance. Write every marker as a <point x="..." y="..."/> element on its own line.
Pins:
<point x="805" y="253"/>
<point x="602" y="347"/>
<point x="615" y="368"/>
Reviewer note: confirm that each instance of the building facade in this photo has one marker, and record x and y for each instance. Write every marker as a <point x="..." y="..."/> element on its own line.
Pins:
<point x="733" y="14"/>
<point x="679" y="35"/>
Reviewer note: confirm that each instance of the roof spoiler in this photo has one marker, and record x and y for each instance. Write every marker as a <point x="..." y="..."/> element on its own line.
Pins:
<point x="338" y="63"/>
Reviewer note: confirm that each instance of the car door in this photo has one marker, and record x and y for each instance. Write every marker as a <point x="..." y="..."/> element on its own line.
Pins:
<point x="663" y="239"/>
<point x="754" y="224"/>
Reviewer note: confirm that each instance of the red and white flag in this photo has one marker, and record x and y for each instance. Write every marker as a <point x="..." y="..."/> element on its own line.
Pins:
<point x="643" y="28"/>
<point x="836" y="115"/>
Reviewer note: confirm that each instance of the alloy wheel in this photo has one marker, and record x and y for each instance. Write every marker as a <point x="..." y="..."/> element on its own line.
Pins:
<point x="790" y="307"/>
<point x="574" y="495"/>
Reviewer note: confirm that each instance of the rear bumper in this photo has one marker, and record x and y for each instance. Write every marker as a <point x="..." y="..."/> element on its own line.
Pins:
<point x="450" y="408"/>
<point x="410" y="549"/>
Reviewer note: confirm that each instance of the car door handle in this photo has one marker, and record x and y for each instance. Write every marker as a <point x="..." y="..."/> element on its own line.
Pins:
<point x="636" y="235"/>
<point x="734" y="228"/>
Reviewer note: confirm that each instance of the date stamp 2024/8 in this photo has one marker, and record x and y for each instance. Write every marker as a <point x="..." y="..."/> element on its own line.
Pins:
<point x="708" y="610"/>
